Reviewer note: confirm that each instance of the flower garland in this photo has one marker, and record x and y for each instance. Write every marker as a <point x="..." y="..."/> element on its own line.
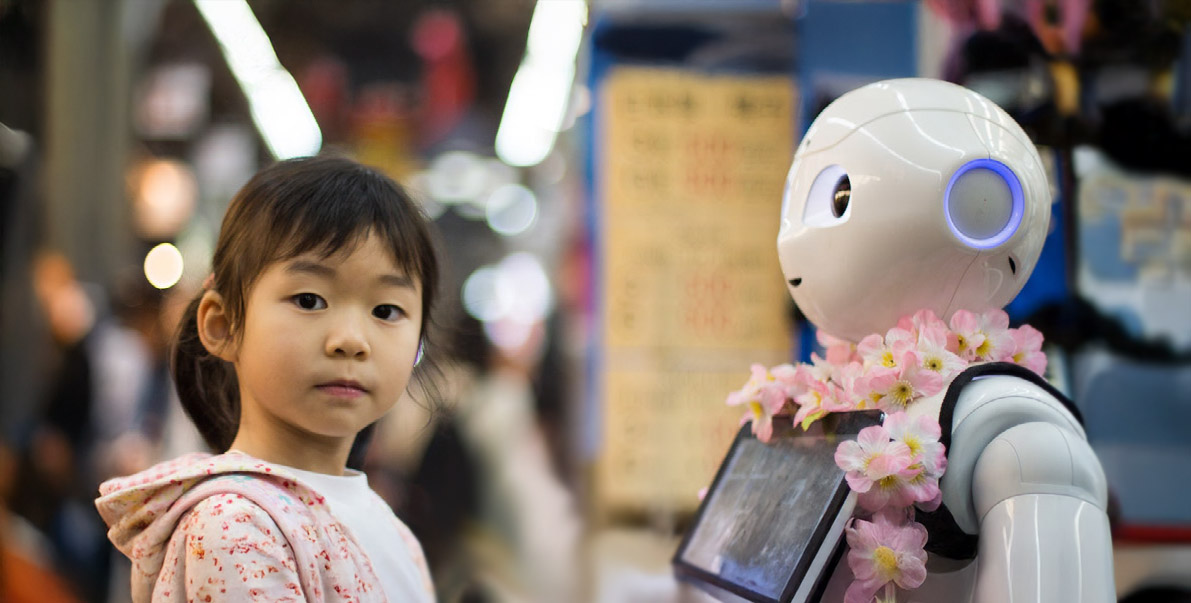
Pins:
<point x="894" y="467"/>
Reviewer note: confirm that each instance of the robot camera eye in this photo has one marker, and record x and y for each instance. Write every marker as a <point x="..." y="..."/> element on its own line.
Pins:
<point x="829" y="201"/>
<point x="984" y="203"/>
<point x="841" y="197"/>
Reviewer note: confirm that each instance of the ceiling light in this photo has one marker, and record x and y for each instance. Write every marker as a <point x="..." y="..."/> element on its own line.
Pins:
<point x="537" y="102"/>
<point x="278" y="108"/>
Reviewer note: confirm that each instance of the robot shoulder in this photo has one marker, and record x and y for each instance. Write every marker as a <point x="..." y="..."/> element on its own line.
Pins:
<point x="982" y="404"/>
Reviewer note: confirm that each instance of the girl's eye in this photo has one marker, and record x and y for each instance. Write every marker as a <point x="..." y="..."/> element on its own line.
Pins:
<point x="387" y="312"/>
<point x="309" y="301"/>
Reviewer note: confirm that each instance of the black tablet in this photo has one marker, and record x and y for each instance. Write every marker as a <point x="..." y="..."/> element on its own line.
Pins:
<point x="770" y="527"/>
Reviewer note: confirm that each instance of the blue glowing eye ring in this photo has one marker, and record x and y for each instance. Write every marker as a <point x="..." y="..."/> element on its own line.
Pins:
<point x="1015" y="214"/>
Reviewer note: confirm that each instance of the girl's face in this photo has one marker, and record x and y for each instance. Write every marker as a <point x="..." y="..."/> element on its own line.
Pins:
<point x="327" y="345"/>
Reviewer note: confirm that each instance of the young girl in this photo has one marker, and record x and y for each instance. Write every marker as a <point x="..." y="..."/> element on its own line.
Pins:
<point x="307" y="332"/>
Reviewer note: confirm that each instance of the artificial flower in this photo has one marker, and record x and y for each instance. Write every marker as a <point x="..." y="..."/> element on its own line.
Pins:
<point x="983" y="337"/>
<point x="921" y="489"/>
<point x="1028" y="348"/>
<point x="886" y="351"/>
<point x="872" y="384"/>
<point x="856" y="393"/>
<point x="899" y="489"/>
<point x="998" y="343"/>
<point x="764" y="397"/>
<point x="887" y="465"/>
<point x="935" y="343"/>
<point x="921" y="435"/>
<point x="921" y="320"/>
<point x="870" y="458"/>
<point x="838" y="351"/>
<point x="967" y="331"/>
<point x="820" y="369"/>
<point x="888" y="549"/>
<point x="821" y="397"/>
<point x="793" y="380"/>
<point x="911" y="382"/>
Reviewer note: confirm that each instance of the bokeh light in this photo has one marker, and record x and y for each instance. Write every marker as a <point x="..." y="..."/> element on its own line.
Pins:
<point x="163" y="266"/>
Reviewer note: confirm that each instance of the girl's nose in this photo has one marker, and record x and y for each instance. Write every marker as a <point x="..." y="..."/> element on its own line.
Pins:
<point x="347" y="339"/>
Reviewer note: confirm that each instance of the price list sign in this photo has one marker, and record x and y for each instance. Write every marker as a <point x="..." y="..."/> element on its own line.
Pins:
<point x="689" y="185"/>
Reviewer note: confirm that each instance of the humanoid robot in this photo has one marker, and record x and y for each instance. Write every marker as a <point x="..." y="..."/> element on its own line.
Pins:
<point x="919" y="194"/>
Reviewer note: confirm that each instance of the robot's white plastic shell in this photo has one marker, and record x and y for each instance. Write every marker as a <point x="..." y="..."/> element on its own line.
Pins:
<point x="900" y="142"/>
<point x="1022" y="475"/>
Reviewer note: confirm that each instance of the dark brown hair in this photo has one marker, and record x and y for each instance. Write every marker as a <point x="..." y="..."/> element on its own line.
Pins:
<point x="324" y="205"/>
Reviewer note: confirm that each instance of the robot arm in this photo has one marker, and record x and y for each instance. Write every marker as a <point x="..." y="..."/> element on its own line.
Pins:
<point x="1023" y="476"/>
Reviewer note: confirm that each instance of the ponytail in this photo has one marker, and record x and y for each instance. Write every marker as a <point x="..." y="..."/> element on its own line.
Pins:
<point x="206" y="384"/>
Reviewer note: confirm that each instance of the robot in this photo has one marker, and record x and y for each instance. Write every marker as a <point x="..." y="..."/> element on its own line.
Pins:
<point x="917" y="194"/>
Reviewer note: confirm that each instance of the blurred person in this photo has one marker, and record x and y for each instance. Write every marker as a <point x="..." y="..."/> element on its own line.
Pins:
<point x="110" y="404"/>
<point x="138" y="419"/>
<point x="53" y="486"/>
<point x="307" y="332"/>
<point x="511" y="531"/>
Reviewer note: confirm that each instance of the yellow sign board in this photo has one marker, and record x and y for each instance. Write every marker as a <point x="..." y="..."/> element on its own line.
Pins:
<point x="689" y="189"/>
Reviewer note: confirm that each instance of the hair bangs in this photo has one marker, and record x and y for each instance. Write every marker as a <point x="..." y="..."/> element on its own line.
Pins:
<point x="334" y="214"/>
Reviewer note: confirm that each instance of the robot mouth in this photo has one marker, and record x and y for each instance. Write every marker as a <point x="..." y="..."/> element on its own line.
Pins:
<point x="794" y="282"/>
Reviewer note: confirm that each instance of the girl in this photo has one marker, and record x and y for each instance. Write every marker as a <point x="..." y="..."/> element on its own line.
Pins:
<point x="307" y="332"/>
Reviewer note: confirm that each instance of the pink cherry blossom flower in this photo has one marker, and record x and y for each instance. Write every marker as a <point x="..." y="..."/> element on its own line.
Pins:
<point x="998" y="343"/>
<point x="919" y="321"/>
<point x="899" y="489"/>
<point x="871" y="458"/>
<point x="762" y="420"/>
<point x="865" y="385"/>
<point x="900" y="340"/>
<point x="793" y="380"/>
<point x="887" y="549"/>
<point x="1028" y="348"/>
<point x="935" y="343"/>
<point x="855" y="393"/>
<point x="763" y="397"/>
<point x="886" y="351"/>
<point x="911" y="382"/>
<point x="819" y="369"/>
<point x="983" y="337"/>
<point x="839" y="351"/>
<point x="967" y="332"/>
<point x="758" y="377"/>
<point x="921" y="436"/>
<point x="934" y="501"/>
<point x="821" y="398"/>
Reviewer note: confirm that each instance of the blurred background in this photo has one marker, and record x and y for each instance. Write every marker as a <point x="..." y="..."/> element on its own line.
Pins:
<point x="606" y="178"/>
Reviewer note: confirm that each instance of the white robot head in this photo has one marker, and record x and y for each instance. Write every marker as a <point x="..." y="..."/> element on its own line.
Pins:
<point x="909" y="194"/>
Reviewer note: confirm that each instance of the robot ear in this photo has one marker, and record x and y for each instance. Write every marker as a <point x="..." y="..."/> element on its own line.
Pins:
<point x="829" y="201"/>
<point x="984" y="203"/>
<point x="421" y="352"/>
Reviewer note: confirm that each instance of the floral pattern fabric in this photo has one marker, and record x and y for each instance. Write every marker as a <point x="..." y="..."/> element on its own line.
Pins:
<point x="234" y="528"/>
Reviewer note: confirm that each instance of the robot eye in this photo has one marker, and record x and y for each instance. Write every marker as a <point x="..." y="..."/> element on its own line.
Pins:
<point x="829" y="201"/>
<point x="841" y="197"/>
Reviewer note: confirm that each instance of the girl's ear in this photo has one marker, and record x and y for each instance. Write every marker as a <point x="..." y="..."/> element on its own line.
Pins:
<point x="215" y="327"/>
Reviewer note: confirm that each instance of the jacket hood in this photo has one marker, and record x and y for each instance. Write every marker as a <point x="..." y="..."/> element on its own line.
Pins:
<point x="142" y="510"/>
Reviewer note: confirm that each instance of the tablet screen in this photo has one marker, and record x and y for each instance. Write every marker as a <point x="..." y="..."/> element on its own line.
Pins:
<point x="767" y="514"/>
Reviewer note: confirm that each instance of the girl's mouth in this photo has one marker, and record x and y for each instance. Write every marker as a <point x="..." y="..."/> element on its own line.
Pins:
<point x="342" y="388"/>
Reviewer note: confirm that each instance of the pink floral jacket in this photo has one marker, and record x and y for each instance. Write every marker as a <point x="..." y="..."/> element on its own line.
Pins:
<point x="235" y="528"/>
